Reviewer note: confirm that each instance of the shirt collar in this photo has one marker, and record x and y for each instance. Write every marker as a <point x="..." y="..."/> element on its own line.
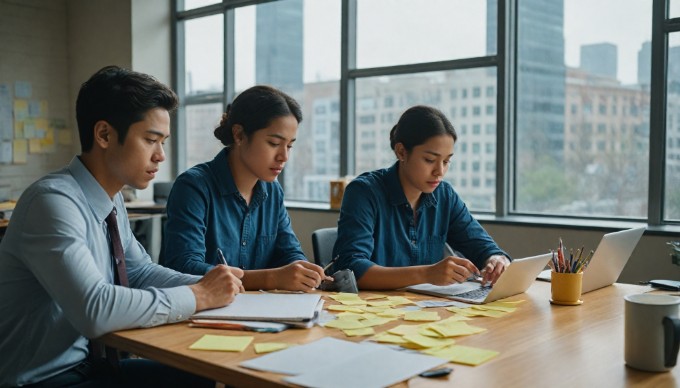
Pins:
<point x="225" y="178"/>
<point x="97" y="198"/>
<point x="395" y="191"/>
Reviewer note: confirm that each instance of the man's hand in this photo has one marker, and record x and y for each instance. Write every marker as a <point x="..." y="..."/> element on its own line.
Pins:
<point x="218" y="287"/>
<point x="298" y="276"/>
<point x="495" y="266"/>
<point x="451" y="270"/>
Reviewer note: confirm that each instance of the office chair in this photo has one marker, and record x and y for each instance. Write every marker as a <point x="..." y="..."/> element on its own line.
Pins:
<point x="322" y="245"/>
<point x="161" y="190"/>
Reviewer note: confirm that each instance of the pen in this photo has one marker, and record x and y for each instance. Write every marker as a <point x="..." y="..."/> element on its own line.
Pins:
<point x="221" y="256"/>
<point x="330" y="264"/>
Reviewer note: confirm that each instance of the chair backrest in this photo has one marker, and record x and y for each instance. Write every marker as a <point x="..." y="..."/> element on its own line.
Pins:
<point x="161" y="190"/>
<point x="322" y="245"/>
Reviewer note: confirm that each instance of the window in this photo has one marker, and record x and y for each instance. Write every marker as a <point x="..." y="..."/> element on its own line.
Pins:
<point x="389" y="31"/>
<point x="672" y="194"/>
<point x="581" y="137"/>
<point x="560" y="67"/>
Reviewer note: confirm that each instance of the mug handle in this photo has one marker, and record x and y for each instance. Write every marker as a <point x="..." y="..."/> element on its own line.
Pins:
<point x="671" y="329"/>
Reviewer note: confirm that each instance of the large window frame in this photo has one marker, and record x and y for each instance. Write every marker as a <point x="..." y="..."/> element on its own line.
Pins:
<point x="505" y="62"/>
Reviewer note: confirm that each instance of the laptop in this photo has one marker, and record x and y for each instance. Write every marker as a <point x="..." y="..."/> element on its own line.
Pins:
<point x="516" y="279"/>
<point x="610" y="257"/>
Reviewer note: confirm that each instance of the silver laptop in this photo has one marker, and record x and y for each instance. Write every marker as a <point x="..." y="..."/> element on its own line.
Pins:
<point x="516" y="279"/>
<point x="610" y="257"/>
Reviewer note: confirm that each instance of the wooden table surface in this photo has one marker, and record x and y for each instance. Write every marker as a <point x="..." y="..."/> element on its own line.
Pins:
<point x="540" y="345"/>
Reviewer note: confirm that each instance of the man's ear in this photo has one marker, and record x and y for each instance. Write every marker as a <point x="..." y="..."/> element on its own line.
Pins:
<point x="103" y="134"/>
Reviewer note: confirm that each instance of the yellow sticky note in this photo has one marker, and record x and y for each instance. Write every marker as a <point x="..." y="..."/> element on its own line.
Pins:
<point x="388" y="338"/>
<point x="427" y="342"/>
<point x="340" y="296"/>
<point x="499" y="307"/>
<point x="268" y="347"/>
<point x="391" y="313"/>
<point x="397" y="300"/>
<point x="380" y="303"/>
<point x="64" y="137"/>
<point x="463" y="354"/>
<point x="19" y="151"/>
<point x="430" y="332"/>
<point x="339" y="307"/>
<point x="373" y="296"/>
<point x="345" y="324"/>
<point x="420" y="315"/>
<point x="377" y="321"/>
<point x="452" y="329"/>
<point x="359" y="332"/>
<point x="34" y="146"/>
<point x="405" y="329"/>
<point x="225" y="343"/>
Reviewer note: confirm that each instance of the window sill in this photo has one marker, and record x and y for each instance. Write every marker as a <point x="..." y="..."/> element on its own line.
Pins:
<point x="528" y="220"/>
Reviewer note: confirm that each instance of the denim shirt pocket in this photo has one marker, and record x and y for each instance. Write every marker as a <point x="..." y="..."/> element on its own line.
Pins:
<point x="264" y="251"/>
<point x="435" y="248"/>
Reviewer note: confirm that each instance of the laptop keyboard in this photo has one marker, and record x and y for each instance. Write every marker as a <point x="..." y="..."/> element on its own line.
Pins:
<point x="477" y="293"/>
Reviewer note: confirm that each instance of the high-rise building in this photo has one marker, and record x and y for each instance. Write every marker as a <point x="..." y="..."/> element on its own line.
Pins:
<point x="279" y="45"/>
<point x="644" y="62"/>
<point x="600" y="59"/>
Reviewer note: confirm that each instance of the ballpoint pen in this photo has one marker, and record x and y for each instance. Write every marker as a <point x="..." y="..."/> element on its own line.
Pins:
<point x="221" y="256"/>
<point x="330" y="264"/>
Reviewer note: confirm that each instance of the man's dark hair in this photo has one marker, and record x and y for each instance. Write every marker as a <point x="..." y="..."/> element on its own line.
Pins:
<point x="120" y="97"/>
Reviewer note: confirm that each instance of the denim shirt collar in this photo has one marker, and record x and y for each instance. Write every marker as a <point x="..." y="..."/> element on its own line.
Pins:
<point x="225" y="179"/>
<point x="395" y="191"/>
<point x="98" y="199"/>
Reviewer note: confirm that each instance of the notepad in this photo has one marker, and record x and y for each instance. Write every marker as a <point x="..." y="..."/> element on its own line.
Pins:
<point x="339" y="363"/>
<point x="299" y="310"/>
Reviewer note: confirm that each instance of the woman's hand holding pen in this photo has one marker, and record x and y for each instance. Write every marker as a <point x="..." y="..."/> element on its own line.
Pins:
<point x="495" y="265"/>
<point x="451" y="270"/>
<point x="299" y="276"/>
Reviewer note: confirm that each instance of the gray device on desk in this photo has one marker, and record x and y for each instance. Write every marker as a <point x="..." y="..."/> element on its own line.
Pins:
<point x="343" y="281"/>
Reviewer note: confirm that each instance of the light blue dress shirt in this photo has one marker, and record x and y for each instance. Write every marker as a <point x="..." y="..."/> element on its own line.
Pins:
<point x="377" y="226"/>
<point x="206" y="212"/>
<point x="56" y="278"/>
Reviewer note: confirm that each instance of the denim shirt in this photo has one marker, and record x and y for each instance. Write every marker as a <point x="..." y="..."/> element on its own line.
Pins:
<point x="376" y="226"/>
<point x="206" y="212"/>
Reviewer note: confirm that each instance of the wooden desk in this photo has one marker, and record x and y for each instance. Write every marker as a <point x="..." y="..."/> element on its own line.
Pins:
<point x="539" y="344"/>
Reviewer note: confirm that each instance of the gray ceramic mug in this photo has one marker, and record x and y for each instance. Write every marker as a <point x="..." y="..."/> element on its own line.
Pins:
<point x="652" y="331"/>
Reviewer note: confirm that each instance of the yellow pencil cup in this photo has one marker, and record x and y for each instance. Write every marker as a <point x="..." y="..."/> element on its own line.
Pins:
<point x="566" y="288"/>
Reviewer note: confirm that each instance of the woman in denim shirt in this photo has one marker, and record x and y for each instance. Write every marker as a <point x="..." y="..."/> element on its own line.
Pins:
<point x="394" y="222"/>
<point x="234" y="203"/>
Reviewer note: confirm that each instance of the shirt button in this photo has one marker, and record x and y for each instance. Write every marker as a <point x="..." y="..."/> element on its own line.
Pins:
<point x="243" y="243"/>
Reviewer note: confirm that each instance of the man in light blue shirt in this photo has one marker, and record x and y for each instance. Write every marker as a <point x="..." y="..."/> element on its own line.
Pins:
<point x="56" y="269"/>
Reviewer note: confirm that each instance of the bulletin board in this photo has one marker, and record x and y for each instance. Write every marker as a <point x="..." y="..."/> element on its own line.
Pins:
<point x="26" y="126"/>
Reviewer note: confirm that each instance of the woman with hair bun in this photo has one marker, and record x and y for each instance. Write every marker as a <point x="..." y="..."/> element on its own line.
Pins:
<point x="394" y="222"/>
<point x="233" y="204"/>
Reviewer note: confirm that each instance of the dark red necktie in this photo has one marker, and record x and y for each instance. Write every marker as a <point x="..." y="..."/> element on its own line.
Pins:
<point x="120" y="276"/>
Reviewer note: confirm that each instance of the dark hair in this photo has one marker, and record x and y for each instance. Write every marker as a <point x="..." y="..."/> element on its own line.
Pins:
<point x="418" y="124"/>
<point x="254" y="109"/>
<point x="120" y="97"/>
